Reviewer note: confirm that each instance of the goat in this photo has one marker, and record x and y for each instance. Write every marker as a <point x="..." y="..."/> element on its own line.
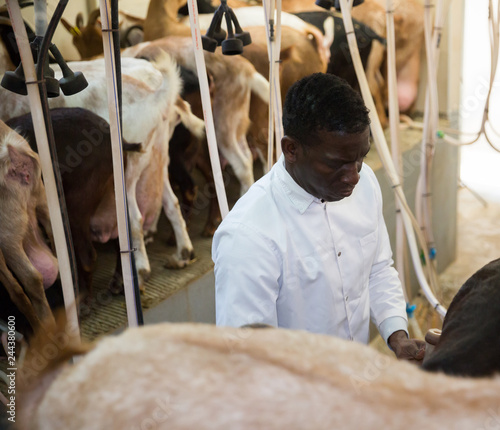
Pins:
<point x="234" y="79"/>
<point x="186" y="376"/>
<point x="408" y="22"/>
<point x="83" y="144"/>
<point x="88" y="38"/>
<point x="23" y="251"/>
<point x="149" y="114"/>
<point x="469" y="344"/>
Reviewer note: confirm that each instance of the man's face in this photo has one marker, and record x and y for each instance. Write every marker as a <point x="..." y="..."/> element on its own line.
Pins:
<point x="329" y="170"/>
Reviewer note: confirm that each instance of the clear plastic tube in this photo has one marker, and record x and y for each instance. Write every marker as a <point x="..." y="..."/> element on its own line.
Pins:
<point x="275" y="131"/>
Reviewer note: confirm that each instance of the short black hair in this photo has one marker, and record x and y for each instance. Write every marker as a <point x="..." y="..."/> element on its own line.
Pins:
<point x="326" y="102"/>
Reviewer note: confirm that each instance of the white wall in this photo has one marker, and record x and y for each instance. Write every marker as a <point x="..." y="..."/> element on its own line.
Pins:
<point x="480" y="165"/>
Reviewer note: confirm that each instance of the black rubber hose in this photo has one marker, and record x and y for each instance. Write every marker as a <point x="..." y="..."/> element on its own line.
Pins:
<point x="118" y="67"/>
<point x="42" y="57"/>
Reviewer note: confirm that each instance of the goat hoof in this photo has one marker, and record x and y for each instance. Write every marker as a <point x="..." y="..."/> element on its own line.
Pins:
<point x="115" y="286"/>
<point x="186" y="254"/>
<point x="85" y="307"/>
<point x="144" y="276"/>
<point x="173" y="262"/>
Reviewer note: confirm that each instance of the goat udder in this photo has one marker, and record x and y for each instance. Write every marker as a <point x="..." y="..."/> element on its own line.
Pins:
<point x="43" y="261"/>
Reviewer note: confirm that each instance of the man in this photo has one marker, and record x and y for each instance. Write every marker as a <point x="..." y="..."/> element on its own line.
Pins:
<point x="307" y="247"/>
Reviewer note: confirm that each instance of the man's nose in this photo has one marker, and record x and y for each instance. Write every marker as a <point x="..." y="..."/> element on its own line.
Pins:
<point x="350" y="175"/>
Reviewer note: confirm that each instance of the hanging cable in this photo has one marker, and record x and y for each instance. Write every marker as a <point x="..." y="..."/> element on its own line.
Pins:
<point x="445" y="134"/>
<point x="423" y="202"/>
<point x="207" y="108"/>
<point x="401" y="257"/>
<point x="410" y="223"/>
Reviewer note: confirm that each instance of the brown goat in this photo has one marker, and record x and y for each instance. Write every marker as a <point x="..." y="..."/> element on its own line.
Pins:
<point x="186" y="376"/>
<point x="22" y="246"/>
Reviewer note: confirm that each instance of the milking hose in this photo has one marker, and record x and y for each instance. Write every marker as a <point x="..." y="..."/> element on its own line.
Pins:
<point x="207" y="108"/>
<point x="410" y="223"/>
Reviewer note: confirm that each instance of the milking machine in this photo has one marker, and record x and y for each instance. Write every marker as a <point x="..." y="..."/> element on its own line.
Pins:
<point x="234" y="43"/>
<point x="71" y="83"/>
<point x="411" y="225"/>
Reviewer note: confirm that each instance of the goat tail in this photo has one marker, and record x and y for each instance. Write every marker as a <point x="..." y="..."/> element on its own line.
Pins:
<point x="194" y="124"/>
<point x="321" y="45"/>
<point x="50" y="346"/>
<point x="259" y="86"/>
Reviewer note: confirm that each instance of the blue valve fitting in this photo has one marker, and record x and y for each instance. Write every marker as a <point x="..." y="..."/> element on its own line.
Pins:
<point x="410" y="310"/>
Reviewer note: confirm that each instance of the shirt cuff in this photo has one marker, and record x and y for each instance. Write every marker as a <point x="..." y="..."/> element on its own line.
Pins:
<point x="391" y="325"/>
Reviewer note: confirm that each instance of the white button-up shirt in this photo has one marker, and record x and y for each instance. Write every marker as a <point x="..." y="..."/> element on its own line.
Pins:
<point x="283" y="257"/>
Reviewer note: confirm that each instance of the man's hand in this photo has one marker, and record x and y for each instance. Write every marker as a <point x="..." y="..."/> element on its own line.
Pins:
<point x="412" y="350"/>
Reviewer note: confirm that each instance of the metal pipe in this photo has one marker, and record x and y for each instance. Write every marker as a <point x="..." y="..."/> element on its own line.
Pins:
<point x="118" y="166"/>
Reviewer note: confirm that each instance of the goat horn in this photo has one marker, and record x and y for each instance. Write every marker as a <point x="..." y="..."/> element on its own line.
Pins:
<point x="93" y="16"/>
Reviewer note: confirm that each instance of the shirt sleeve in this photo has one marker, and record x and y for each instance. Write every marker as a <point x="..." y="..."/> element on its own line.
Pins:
<point x="386" y="293"/>
<point x="247" y="272"/>
<point x="391" y="325"/>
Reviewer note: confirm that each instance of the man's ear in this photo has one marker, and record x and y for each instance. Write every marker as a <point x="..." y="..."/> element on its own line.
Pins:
<point x="289" y="146"/>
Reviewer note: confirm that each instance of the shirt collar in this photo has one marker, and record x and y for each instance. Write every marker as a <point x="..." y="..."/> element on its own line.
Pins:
<point x="299" y="198"/>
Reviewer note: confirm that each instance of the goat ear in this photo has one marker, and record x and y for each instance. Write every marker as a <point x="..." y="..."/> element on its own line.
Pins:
<point x="290" y="147"/>
<point x="23" y="168"/>
<point x="79" y="20"/>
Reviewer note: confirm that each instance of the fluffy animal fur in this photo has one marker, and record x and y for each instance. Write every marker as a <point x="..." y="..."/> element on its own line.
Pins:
<point x="186" y="376"/>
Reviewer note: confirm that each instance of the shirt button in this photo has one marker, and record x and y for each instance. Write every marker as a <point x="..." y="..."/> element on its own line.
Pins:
<point x="339" y="254"/>
<point x="346" y="298"/>
<point x="350" y="337"/>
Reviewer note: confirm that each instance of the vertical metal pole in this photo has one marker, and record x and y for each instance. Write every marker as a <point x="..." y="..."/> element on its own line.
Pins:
<point x="118" y="166"/>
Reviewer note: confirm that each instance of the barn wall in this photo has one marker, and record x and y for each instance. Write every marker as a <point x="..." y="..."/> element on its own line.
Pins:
<point x="444" y="198"/>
